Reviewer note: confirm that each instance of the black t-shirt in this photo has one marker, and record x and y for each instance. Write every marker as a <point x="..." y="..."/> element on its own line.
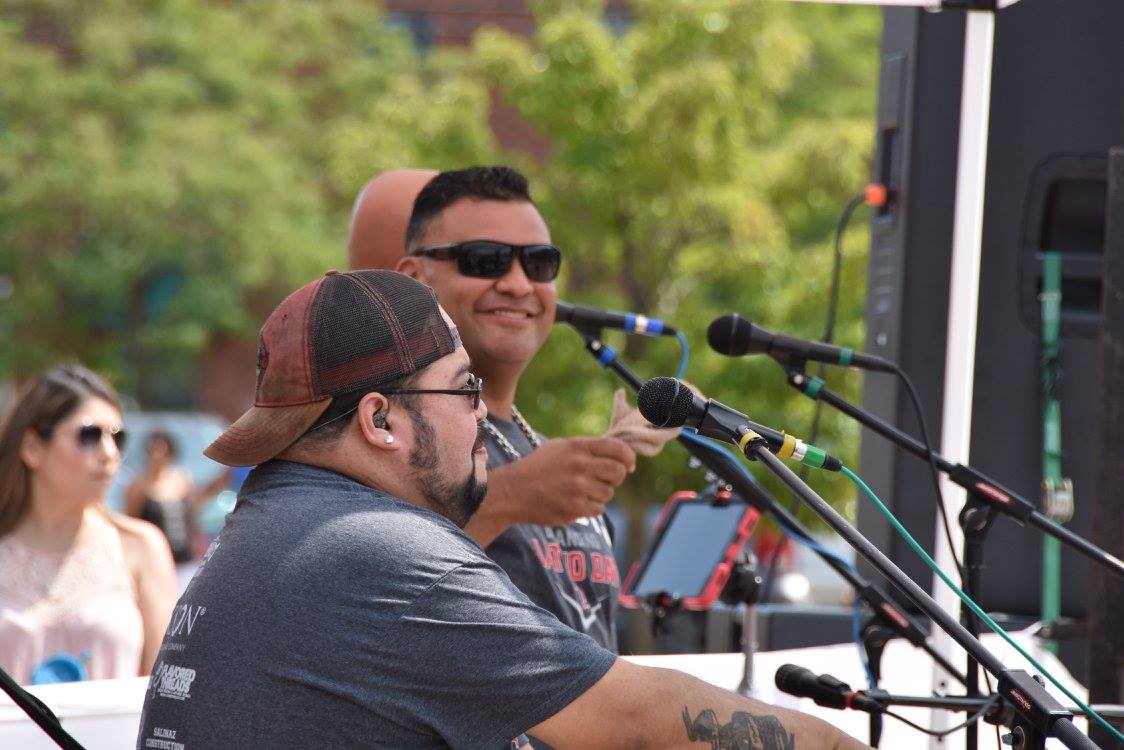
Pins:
<point x="567" y="570"/>
<point x="173" y="517"/>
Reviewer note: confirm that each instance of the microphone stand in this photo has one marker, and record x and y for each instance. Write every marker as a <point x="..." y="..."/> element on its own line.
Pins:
<point x="990" y="496"/>
<point x="1038" y="714"/>
<point x="875" y="637"/>
<point x="38" y="712"/>
<point x="998" y="711"/>
<point x="884" y="609"/>
<point x="987" y="498"/>
<point x="744" y="588"/>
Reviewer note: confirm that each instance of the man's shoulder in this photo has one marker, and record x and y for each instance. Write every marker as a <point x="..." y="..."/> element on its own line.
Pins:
<point x="386" y="522"/>
<point x="318" y="514"/>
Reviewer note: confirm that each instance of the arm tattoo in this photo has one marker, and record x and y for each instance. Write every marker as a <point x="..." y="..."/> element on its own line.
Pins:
<point x="744" y="732"/>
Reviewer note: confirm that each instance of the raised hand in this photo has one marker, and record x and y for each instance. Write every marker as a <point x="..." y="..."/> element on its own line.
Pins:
<point x="563" y="480"/>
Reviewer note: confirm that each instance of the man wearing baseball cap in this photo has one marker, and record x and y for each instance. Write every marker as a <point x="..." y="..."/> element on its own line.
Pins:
<point x="343" y="606"/>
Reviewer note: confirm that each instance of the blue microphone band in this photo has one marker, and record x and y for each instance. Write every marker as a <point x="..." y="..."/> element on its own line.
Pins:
<point x="645" y="326"/>
<point x="606" y="355"/>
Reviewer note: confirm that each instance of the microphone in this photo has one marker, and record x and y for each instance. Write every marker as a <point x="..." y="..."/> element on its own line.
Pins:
<point x="824" y="689"/>
<point x="735" y="336"/>
<point x="667" y="402"/>
<point x="582" y="317"/>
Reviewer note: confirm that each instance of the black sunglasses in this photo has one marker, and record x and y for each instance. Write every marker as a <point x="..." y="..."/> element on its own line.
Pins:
<point x="347" y="405"/>
<point x="90" y="435"/>
<point x="474" y="388"/>
<point x="485" y="259"/>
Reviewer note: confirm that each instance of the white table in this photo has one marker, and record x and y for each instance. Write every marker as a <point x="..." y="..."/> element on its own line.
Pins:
<point x="104" y="714"/>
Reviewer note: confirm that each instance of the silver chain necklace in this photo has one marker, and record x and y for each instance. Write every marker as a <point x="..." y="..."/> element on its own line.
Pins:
<point x="504" y="443"/>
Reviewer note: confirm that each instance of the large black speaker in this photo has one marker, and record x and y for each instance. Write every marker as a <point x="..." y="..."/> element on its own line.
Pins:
<point x="1057" y="107"/>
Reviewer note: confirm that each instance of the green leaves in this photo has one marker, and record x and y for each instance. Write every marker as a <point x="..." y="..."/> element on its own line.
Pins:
<point x="164" y="164"/>
<point x="169" y="170"/>
<point x="697" y="165"/>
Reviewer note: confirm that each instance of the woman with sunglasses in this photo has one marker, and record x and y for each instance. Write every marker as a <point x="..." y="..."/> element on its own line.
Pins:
<point x="84" y="592"/>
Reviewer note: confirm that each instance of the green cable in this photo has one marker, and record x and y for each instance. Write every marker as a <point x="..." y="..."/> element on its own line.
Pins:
<point x="1093" y="715"/>
<point x="1052" y="482"/>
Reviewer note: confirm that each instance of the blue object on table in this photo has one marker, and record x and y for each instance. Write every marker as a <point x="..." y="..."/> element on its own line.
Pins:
<point x="59" y="668"/>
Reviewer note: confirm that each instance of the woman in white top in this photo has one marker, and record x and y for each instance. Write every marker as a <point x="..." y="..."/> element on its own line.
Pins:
<point x="77" y="582"/>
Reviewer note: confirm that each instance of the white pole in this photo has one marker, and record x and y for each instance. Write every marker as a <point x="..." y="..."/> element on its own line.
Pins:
<point x="964" y="284"/>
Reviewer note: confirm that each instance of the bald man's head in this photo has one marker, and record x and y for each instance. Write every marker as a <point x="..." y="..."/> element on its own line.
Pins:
<point x="377" y="237"/>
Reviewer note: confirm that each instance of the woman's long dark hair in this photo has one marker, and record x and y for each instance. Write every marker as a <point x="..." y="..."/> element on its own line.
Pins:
<point x="45" y="402"/>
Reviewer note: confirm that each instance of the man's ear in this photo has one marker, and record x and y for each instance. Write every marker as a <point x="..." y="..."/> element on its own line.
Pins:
<point x="32" y="448"/>
<point x="371" y="416"/>
<point x="411" y="266"/>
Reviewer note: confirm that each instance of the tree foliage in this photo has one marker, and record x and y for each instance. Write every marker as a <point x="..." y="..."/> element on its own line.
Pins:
<point x="697" y="164"/>
<point x="169" y="169"/>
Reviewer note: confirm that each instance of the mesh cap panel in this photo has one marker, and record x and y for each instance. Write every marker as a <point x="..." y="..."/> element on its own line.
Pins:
<point x="341" y="333"/>
<point x="368" y="328"/>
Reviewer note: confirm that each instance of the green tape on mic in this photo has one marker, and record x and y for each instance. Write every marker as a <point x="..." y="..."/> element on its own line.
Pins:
<point x="817" y="458"/>
<point x="814" y="457"/>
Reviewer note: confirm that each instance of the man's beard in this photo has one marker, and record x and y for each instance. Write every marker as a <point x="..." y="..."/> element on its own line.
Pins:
<point x="455" y="500"/>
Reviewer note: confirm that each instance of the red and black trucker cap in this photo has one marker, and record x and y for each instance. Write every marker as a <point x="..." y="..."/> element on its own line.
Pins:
<point x="340" y="334"/>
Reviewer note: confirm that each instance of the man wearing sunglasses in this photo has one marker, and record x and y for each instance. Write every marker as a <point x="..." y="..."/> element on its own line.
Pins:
<point x="342" y="605"/>
<point x="476" y="237"/>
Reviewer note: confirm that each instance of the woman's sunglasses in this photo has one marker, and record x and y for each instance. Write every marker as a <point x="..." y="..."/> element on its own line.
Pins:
<point x="90" y="435"/>
<point x="485" y="259"/>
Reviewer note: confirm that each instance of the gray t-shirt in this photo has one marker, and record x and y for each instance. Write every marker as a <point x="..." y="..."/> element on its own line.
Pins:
<point x="567" y="570"/>
<point x="328" y="614"/>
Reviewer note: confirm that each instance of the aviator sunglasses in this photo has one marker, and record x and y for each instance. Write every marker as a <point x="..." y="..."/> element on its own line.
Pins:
<point x="89" y="436"/>
<point x="486" y="259"/>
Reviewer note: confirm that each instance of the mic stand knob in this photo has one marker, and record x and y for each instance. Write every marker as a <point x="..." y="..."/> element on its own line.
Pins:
<point x="659" y="607"/>
<point x="875" y="637"/>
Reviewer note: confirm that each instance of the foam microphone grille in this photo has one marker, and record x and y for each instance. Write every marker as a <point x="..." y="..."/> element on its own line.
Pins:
<point x="665" y="402"/>
<point x="730" y="335"/>
<point x="790" y="678"/>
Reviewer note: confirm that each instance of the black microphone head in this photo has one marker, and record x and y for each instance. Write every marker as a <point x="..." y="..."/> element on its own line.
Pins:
<point x="735" y="336"/>
<point x="665" y="402"/>
<point x="563" y="312"/>
<point x="791" y="679"/>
